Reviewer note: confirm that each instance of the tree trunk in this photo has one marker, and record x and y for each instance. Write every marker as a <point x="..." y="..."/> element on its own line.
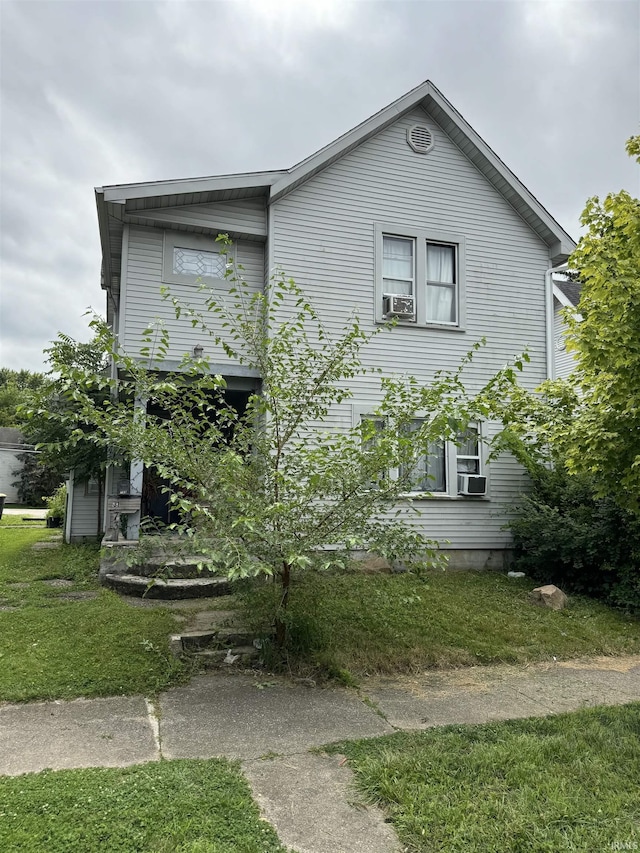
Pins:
<point x="281" y="624"/>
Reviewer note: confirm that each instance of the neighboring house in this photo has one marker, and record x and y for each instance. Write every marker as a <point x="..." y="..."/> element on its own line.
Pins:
<point x="410" y="213"/>
<point x="11" y="446"/>
<point x="566" y="295"/>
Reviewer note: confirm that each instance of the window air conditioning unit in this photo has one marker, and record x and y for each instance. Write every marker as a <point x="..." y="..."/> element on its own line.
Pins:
<point x="396" y="305"/>
<point x="472" y="484"/>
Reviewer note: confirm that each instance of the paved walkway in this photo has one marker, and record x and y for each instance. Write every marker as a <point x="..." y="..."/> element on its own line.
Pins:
<point x="270" y="724"/>
<point x="25" y="513"/>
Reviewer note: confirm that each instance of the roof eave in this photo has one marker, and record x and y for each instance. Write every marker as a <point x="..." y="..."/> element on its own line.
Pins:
<point x="120" y="193"/>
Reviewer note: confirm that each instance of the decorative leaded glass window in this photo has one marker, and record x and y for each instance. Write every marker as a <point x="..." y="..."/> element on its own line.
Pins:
<point x="198" y="262"/>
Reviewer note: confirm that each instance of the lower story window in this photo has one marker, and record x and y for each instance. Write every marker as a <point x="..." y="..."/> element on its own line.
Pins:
<point x="442" y="468"/>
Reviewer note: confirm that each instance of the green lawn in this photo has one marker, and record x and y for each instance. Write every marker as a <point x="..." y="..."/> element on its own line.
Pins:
<point x="56" y="645"/>
<point x="525" y="786"/>
<point x="168" y="807"/>
<point x="356" y="623"/>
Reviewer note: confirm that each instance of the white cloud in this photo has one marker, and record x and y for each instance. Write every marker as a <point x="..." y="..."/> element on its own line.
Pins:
<point x="569" y="29"/>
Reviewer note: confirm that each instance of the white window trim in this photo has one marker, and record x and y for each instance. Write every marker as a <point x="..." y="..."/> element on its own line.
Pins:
<point x="421" y="237"/>
<point x="451" y="463"/>
<point x="183" y="240"/>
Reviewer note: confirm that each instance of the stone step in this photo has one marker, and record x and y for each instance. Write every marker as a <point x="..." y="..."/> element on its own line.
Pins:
<point x="176" y="567"/>
<point x="223" y="638"/>
<point x="171" y="588"/>
<point x="238" y="656"/>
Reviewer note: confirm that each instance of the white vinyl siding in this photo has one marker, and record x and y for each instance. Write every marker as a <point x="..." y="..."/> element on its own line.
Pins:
<point x="324" y="236"/>
<point x="143" y="304"/>
<point x="564" y="361"/>
<point x="84" y="504"/>
<point x="245" y="219"/>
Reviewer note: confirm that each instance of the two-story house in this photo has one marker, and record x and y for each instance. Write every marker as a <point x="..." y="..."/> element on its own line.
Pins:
<point x="409" y="214"/>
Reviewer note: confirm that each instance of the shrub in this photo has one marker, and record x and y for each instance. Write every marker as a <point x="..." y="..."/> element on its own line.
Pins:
<point x="565" y="535"/>
<point x="35" y="480"/>
<point x="56" y="504"/>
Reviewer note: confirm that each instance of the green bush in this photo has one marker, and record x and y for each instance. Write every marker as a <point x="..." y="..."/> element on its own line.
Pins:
<point x="564" y="534"/>
<point x="56" y="504"/>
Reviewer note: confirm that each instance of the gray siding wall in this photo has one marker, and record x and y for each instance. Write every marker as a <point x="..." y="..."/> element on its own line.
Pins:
<point x="564" y="360"/>
<point x="84" y="514"/>
<point x="324" y="238"/>
<point x="142" y="303"/>
<point x="242" y="216"/>
<point x="8" y="464"/>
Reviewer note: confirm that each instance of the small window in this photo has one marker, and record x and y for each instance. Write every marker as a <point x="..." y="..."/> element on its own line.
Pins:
<point x="199" y="263"/>
<point x="91" y="487"/>
<point x="191" y="258"/>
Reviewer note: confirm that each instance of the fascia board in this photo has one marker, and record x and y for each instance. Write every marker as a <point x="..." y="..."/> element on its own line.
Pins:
<point x="103" y="228"/>
<point x="567" y="244"/>
<point x="421" y="95"/>
<point x="120" y="193"/>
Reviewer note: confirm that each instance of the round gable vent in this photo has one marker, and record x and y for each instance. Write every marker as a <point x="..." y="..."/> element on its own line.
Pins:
<point x="420" y="138"/>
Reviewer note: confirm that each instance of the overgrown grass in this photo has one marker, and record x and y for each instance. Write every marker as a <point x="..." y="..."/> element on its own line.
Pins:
<point x="541" y="785"/>
<point x="169" y="807"/>
<point x="52" y="647"/>
<point x="356" y="623"/>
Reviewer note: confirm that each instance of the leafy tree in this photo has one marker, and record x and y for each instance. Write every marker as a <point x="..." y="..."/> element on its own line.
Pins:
<point x="51" y="419"/>
<point x="606" y="340"/>
<point x="268" y="490"/>
<point x="35" y="480"/>
<point x="16" y="387"/>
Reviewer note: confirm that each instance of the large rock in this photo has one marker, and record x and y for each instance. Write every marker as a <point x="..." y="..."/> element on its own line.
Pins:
<point x="549" y="596"/>
<point x="371" y="564"/>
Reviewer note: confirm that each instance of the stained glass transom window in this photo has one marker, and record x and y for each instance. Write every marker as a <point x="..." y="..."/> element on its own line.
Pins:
<point x="198" y="262"/>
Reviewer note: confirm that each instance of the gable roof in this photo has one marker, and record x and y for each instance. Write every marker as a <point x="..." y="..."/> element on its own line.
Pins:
<point x="427" y="96"/>
<point x="116" y="202"/>
<point x="570" y="290"/>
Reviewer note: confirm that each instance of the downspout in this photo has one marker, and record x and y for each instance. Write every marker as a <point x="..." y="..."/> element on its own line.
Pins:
<point x="548" y="288"/>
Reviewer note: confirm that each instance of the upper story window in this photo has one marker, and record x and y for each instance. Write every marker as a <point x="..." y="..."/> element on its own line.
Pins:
<point x="189" y="258"/>
<point x="420" y="277"/>
<point x="197" y="262"/>
<point x="398" y="265"/>
<point x="441" y="294"/>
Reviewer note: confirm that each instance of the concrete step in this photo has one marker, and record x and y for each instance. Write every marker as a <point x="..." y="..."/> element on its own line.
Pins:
<point x="172" y="588"/>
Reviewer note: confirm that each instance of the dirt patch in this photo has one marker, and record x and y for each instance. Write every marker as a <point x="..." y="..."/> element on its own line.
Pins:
<point x="19" y="585"/>
<point x="45" y="546"/>
<point x="481" y="679"/>
<point x="624" y="664"/>
<point x="58" y="583"/>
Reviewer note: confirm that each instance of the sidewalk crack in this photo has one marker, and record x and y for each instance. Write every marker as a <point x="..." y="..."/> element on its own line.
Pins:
<point x="154" y="721"/>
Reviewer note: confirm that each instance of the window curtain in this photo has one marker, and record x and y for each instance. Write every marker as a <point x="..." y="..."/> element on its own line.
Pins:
<point x="397" y="265"/>
<point x="441" y="291"/>
<point x="429" y="472"/>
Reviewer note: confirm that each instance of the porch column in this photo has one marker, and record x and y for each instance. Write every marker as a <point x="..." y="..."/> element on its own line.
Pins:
<point x="136" y="470"/>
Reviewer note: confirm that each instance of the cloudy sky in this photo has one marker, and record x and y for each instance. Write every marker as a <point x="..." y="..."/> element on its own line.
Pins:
<point x="97" y="93"/>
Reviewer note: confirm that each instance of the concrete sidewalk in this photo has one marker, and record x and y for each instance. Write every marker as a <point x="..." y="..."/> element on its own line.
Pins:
<point x="270" y="723"/>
